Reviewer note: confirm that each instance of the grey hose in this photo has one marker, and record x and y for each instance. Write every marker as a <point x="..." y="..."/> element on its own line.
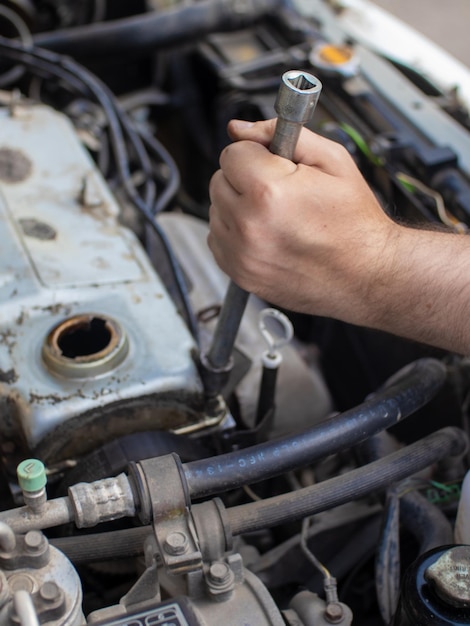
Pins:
<point x="347" y="487"/>
<point x="117" y="544"/>
<point x="425" y="521"/>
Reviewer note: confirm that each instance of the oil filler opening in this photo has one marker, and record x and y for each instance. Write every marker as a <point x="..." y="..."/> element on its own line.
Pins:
<point x="85" y="346"/>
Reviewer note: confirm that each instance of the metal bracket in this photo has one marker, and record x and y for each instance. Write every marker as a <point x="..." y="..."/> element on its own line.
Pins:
<point x="168" y="498"/>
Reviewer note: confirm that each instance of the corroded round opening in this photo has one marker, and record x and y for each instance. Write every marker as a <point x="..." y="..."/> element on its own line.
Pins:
<point x="84" y="346"/>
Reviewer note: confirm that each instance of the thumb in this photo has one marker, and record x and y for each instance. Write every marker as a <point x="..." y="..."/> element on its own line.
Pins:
<point x="260" y="132"/>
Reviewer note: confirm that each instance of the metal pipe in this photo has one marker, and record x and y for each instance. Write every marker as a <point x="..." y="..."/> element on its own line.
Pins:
<point x="56" y="512"/>
<point x="7" y="538"/>
<point x="87" y="504"/>
<point x="24" y="608"/>
<point x="295" y="103"/>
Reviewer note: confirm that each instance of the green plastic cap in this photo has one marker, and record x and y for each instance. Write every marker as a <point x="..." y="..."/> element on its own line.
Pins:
<point x="31" y="475"/>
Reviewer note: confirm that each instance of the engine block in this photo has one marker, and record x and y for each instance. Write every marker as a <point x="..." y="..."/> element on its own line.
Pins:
<point x="88" y="333"/>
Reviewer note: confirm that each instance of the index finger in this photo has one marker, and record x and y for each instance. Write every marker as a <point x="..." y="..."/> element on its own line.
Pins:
<point x="247" y="164"/>
<point x="312" y="149"/>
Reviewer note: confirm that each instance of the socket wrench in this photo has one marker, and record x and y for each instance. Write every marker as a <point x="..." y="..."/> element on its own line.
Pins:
<point x="295" y="103"/>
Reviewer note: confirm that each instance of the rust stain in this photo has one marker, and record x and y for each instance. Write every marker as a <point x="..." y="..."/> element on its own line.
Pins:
<point x="21" y="318"/>
<point x="15" y="167"/>
<point x="54" y="398"/>
<point x="36" y="229"/>
<point x="8" y="339"/>
<point x="54" y="309"/>
<point x="8" y="377"/>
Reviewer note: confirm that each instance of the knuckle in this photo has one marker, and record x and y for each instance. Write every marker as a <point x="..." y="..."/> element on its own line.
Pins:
<point x="266" y="194"/>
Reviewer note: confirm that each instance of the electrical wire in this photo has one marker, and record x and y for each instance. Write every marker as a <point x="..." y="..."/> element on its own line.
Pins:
<point x="15" y="73"/>
<point x="122" y="134"/>
<point x="413" y="185"/>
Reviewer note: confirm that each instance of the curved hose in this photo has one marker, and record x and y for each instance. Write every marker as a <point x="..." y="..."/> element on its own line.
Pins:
<point x="154" y="29"/>
<point x="424" y="520"/>
<point x="410" y="389"/>
<point x="346" y="487"/>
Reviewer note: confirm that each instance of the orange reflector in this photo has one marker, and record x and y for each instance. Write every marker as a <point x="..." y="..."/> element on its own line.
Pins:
<point x="336" y="55"/>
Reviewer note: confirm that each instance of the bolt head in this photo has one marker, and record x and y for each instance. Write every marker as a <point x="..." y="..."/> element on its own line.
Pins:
<point x="176" y="543"/>
<point x="334" y="613"/>
<point x="49" y="591"/>
<point x="34" y="541"/>
<point x="219" y="573"/>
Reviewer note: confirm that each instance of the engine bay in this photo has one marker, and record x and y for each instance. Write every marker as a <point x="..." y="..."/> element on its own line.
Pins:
<point x="162" y="461"/>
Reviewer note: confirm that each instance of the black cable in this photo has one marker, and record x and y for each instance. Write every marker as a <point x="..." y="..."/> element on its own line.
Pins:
<point x="354" y="485"/>
<point x="410" y="389"/>
<point x="120" y="127"/>
<point x="174" y="181"/>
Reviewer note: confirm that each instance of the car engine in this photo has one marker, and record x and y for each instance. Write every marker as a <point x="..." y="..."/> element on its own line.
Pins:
<point x="174" y="451"/>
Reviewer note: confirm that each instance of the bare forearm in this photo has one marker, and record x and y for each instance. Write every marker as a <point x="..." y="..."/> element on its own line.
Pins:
<point x="310" y="236"/>
<point x="423" y="289"/>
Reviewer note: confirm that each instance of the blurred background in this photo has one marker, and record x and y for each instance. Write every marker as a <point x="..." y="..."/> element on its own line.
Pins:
<point x="447" y="23"/>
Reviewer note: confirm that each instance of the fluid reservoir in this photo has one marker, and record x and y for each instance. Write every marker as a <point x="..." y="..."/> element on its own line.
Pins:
<point x="436" y="589"/>
<point x="462" y="522"/>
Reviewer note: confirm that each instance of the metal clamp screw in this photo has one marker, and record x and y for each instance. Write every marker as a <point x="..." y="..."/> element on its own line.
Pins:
<point x="219" y="573"/>
<point x="176" y="543"/>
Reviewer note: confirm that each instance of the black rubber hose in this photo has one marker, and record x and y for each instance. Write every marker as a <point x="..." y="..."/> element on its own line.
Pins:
<point x="117" y="544"/>
<point x="356" y="484"/>
<point x="424" y="520"/>
<point x="408" y="390"/>
<point x="155" y="29"/>
<point x="114" y="457"/>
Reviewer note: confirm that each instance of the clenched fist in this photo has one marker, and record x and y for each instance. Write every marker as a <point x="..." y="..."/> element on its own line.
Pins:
<point x="310" y="236"/>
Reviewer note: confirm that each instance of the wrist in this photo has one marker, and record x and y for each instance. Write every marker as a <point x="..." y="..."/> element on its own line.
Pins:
<point x="373" y="274"/>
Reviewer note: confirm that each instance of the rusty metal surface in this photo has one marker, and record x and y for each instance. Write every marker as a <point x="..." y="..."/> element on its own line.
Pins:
<point x="450" y="576"/>
<point x="62" y="258"/>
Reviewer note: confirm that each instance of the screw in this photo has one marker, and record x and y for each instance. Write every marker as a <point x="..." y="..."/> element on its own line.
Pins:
<point x="34" y="541"/>
<point x="50" y="591"/>
<point x="176" y="543"/>
<point x="334" y="612"/>
<point x="219" y="573"/>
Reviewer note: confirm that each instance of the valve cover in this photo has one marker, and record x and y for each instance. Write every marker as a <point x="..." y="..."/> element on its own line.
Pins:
<point x="91" y="345"/>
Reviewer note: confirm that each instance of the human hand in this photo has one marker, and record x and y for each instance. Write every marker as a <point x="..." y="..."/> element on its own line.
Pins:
<point x="306" y="235"/>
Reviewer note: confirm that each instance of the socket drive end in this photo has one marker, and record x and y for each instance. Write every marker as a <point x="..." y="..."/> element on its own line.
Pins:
<point x="297" y="96"/>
